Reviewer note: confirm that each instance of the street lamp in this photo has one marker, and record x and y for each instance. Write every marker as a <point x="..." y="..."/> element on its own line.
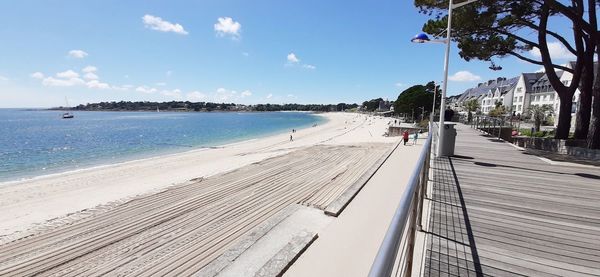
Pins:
<point x="433" y="106"/>
<point x="423" y="38"/>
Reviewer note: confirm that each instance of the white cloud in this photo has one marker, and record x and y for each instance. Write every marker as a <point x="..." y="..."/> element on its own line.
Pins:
<point x="169" y="73"/>
<point x="557" y="51"/>
<point x="53" y="82"/>
<point x="269" y="96"/>
<point x="67" y="78"/>
<point x="541" y="69"/>
<point x="245" y="54"/>
<point x="291" y="58"/>
<point x="2" y="78"/>
<point x="78" y="54"/>
<point x="196" y="96"/>
<point x="122" y="88"/>
<point x="71" y="78"/>
<point x="158" y="24"/>
<point x="161" y="84"/>
<point x="226" y="26"/>
<point x="37" y="75"/>
<point x="146" y="89"/>
<point x="90" y="76"/>
<point x="89" y="69"/>
<point x="223" y="95"/>
<point x="292" y="96"/>
<point x="172" y="93"/>
<point x="464" y="76"/>
<point x="67" y="74"/>
<point x="246" y="93"/>
<point x="399" y="85"/>
<point x="97" y="84"/>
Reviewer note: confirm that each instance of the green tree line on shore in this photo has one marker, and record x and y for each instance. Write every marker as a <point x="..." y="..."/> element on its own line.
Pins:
<point x="205" y="106"/>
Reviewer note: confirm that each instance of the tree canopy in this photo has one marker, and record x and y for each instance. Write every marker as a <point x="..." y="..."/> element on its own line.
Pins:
<point x="489" y="29"/>
<point x="416" y="97"/>
<point x="372" y="105"/>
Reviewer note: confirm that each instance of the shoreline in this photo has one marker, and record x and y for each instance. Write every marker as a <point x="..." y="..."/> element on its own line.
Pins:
<point x="141" y="157"/>
<point x="32" y="204"/>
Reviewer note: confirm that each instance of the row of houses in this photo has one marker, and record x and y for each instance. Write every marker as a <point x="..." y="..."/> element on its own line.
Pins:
<point x="516" y="94"/>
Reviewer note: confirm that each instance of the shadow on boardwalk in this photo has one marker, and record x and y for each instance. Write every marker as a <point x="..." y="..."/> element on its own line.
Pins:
<point x="496" y="211"/>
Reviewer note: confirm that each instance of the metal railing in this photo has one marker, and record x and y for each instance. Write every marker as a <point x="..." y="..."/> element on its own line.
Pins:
<point x="400" y="236"/>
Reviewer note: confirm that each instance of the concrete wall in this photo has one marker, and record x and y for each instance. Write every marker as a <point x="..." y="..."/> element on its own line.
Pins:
<point x="505" y="132"/>
<point x="395" y="131"/>
<point x="574" y="148"/>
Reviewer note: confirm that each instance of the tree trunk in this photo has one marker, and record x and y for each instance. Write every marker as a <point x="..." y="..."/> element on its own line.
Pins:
<point x="582" y="119"/>
<point x="593" y="139"/>
<point x="564" y="117"/>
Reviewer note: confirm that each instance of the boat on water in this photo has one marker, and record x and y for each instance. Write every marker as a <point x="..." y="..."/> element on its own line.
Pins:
<point x="67" y="115"/>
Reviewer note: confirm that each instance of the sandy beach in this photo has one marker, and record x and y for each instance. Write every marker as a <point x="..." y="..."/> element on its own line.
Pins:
<point x="50" y="200"/>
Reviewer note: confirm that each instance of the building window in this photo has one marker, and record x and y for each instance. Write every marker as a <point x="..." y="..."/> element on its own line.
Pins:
<point x="551" y="97"/>
<point x="520" y="100"/>
<point x="519" y="107"/>
<point x="519" y="89"/>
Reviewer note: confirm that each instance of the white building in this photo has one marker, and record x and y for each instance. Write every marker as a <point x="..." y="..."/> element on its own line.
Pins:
<point x="488" y="93"/>
<point x="522" y="92"/>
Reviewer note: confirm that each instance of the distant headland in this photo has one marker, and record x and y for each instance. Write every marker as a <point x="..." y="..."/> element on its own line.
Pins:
<point x="186" y="106"/>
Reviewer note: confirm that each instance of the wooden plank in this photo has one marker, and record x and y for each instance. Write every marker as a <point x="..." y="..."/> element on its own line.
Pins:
<point x="518" y="213"/>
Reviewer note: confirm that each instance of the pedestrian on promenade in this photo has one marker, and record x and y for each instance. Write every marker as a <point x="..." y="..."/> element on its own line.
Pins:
<point x="405" y="137"/>
<point x="415" y="137"/>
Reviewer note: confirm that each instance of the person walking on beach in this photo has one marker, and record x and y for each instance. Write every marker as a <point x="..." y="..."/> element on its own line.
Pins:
<point x="415" y="137"/>
<point x="291" y="138"/>
<point x="405" y="137"/>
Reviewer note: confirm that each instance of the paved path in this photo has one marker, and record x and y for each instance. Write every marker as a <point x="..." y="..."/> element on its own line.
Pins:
<point x="499" y="212"/>
<point x="348" y="246"/>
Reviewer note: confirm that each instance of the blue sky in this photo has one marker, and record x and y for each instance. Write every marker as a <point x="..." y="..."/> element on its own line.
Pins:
<point x="310" y="51"/>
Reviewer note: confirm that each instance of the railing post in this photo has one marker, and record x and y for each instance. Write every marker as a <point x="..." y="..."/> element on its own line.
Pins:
<point x="500" y="128"/>
<point x="406" y="218"/>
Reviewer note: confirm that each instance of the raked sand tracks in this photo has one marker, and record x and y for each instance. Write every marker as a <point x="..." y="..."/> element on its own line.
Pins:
<point x="180" y="230"/>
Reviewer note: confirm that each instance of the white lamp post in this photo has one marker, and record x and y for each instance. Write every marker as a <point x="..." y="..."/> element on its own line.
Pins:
<point x="433" y="108"/>
<point x="423" y="38"/>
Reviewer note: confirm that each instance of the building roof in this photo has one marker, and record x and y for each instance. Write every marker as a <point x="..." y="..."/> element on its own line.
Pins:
<point x="483" y="88"/>
<point x="531" y="78"/>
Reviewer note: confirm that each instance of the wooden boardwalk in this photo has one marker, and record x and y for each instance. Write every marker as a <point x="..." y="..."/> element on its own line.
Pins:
<point x="496" y="211"/>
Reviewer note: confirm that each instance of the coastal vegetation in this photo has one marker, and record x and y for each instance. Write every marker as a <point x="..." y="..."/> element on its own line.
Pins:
<point x="187" y="106"/>
<point x="371" y="105"/>
<point x="417" y="99"/>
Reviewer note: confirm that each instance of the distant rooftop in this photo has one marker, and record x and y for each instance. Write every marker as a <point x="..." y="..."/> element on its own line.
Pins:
<point x="485" y="87"/>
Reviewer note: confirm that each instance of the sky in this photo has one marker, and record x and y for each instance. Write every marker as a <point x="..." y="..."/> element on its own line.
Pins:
<point x="246" y="52"/>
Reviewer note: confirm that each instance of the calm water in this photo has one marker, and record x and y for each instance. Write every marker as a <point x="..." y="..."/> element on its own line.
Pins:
<point x="34" y="143"/>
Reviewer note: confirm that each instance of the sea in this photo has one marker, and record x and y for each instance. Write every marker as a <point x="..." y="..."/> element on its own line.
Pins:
<point x="40" y="142"/>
